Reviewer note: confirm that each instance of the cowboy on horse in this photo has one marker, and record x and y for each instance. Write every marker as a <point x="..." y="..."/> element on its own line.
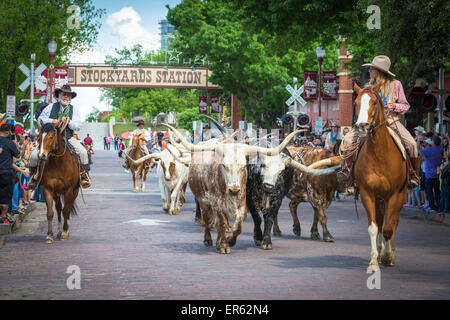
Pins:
<point x="62" y="109"/>
<point x="395" y="104"/>
<point x="142" y="142"/>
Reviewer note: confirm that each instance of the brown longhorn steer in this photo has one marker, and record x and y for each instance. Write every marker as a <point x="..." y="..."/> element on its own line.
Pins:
<point x="317" y="190"/>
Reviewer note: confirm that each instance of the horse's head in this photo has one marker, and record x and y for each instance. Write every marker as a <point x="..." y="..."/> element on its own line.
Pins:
<point x="49" y="140"/>
<point x="369" y="108"/>
<point x="136" y="139"/>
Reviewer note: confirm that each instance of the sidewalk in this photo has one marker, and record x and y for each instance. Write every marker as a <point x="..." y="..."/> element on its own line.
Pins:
<point x="6" y="229"/>
<point x="417" y="213"/>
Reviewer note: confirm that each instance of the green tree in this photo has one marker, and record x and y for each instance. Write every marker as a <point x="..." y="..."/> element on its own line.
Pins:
<point x="93" y="115"/>
<point x="414" y="34"/>
<point x="26" y="26"/>
<point x="244" y="61"/>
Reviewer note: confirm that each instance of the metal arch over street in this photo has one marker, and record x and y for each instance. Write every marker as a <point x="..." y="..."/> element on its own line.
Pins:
<point x="140" y="77"/>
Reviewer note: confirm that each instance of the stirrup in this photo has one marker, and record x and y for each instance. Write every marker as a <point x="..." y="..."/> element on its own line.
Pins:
<point x="85" y="180"/>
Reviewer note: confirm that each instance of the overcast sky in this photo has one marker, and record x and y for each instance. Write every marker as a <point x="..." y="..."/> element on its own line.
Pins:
<point x="125" y="23"/>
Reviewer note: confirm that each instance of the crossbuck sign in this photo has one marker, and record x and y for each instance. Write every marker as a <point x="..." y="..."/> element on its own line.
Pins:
<point x="27" y="72"/>
<point x="296" y="95"/>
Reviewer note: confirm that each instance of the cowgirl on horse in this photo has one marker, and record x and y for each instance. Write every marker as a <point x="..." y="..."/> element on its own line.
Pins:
<point x="395" y="104"/>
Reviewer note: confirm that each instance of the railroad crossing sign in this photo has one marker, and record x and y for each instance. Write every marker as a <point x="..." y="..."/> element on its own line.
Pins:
<point x="296" y="95"/>
<point x="27" y="72"/>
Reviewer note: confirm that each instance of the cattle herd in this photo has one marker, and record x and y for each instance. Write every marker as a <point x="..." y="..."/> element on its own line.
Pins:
<point x="229" y="178"/>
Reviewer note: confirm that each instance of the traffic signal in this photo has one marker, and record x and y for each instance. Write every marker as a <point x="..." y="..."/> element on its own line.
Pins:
<point x="21" y="109"/>
<point x="40" y="107"/>
<point x="427" y="103"/>
<point x="287" y="119"/>
<point x="303" y="119"/>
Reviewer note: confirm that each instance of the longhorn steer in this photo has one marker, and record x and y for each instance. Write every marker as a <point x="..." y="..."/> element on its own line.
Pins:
<point x="268" y="182"/>
<point x="316" y="190"/>
<point x="172" y="176"/>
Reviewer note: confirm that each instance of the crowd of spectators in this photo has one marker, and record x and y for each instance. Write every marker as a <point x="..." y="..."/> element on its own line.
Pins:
<point x="15" y="150"/>
<point x="432" y="195"/>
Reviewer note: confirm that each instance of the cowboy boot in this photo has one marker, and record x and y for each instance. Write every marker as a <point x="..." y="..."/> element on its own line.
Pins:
<point x="414" y="172"/>
<point x="34" y="179"/>
<point x="85" y="179"/>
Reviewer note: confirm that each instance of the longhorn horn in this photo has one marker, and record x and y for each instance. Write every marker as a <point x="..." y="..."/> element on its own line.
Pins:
<point x="218" y="125"/>
<point x="187" y="145"/>
<point x="179" y="147"/>
<point x="337" y="160"/>
<point x="313" y="172"/>
<point x="183" y="160"/>
<point x="275" y="150"/>
<point x="144" y="158"/>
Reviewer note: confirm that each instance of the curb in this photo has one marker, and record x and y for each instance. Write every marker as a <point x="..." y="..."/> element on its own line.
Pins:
<point x="416" y="213"/>
<point x="6" y="229"/>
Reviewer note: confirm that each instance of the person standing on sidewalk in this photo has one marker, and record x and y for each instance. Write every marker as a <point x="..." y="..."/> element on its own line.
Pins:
<point x="433" y="159"/>
<point x="8" y="150"/>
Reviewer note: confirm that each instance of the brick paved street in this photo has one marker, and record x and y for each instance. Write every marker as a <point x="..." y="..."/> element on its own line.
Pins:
<point x="128" y="248"/>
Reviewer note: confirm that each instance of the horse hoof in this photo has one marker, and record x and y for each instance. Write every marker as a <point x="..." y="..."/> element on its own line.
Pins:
<point x="277" y="233"/>
<point x="49" y="240"/>
<point x="267" y="246"/>
<point x="258" y="243"/>
<point x="64" y="236"/>
<point x="315" y="236"/>
<point x="373" y="268"/>
<point x="224" y="250"/>
<point x="387" y="261"/>
<point x="208" y="243"/>
<point x="297" y="232"/>
<point x="328" y="238"/>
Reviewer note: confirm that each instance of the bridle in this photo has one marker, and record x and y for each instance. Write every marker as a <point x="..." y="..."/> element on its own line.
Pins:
<point x="373" y="126"/>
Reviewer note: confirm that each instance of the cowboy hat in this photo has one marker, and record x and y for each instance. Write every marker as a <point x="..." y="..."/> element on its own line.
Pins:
<point x="65" y="88"/>
<point x="420" y="129"/>
<point x="382" y="63"/>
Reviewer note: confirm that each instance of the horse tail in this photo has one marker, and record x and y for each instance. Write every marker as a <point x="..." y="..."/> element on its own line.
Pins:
<point x="74" y="210"/>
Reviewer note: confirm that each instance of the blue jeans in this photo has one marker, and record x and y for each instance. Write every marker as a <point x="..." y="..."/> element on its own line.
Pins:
<point x="39" y="195"/>
<point x="444" y="200"/>
<point x="15" y="198"/>
<point x="432" y="192"/>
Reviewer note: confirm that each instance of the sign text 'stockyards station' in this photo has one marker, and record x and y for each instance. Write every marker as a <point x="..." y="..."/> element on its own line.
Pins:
<point x="135" y="76"/>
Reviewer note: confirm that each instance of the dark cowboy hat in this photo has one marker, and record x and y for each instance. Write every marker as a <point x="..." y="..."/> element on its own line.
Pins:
<point x="65" y="88"/>
<point x="140" y="122"/>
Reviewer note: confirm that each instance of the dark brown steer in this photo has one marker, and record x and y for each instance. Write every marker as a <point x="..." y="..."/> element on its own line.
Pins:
<point x="317" y="190"/>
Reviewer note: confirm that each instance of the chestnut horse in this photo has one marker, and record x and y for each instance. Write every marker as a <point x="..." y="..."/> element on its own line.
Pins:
<point x="142" y="168"/>
<point x="380" y="175"/>
<point x="60" y="177"/>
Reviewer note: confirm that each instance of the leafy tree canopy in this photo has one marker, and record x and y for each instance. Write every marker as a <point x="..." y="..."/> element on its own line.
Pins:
<point x="27" y="26"/>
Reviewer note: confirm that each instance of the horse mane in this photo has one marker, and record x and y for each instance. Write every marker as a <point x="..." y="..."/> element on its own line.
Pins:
<point x="48" y="127"/>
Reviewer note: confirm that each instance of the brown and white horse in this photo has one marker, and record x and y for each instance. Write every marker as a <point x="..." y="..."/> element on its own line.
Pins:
<point x="59" y="178"/>
<point x="142" y="168"/>
<point x="380" y="175"/>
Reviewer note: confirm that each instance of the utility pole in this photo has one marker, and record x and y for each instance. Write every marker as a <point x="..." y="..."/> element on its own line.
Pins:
<point x="33" y="58"/>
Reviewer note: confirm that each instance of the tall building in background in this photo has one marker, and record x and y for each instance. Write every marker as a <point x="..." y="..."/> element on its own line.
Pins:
<point x="166" y="29"/>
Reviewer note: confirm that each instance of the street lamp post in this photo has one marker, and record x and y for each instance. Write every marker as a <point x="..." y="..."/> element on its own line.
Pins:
<point x="320" y="52"/>
<point x="52" y="46"/>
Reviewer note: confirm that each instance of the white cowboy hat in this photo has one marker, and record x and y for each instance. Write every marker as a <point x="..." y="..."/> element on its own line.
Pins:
<point x="382" y="63"/>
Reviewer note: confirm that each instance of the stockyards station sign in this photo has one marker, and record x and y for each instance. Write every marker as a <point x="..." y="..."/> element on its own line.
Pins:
<point x="136" y="76"/>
